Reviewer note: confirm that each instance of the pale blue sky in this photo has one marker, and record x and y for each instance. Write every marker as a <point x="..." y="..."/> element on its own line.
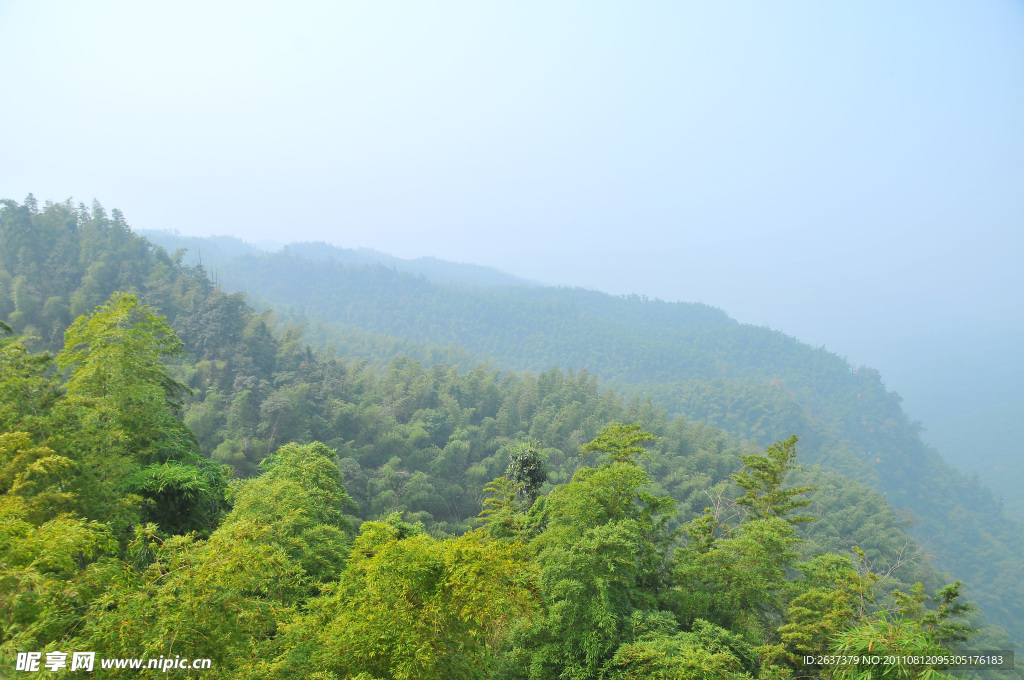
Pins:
<point x="849" y="173"/>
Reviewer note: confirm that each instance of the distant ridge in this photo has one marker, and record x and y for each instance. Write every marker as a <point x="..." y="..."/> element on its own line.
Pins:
<point x="214" y="251"/>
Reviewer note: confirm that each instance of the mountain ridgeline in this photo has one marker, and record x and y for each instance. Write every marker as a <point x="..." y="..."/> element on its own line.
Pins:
<point x="596" y="556"/>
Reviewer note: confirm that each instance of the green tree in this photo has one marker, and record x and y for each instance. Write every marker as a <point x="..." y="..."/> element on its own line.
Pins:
<point x="762" y="479"/>
<point x="29" y="390"/>
<point x="913" y="629"/>
<point x="52" y="562"/>
<point x="285" y="539"/>
<point x="526" y="467"/>
<point x="735" y="575"/>
<point x="737" y="581"/>
<point x="116" y="358"/>
<point x="119" y="382"/>
<point x="409" y="606"/>
<point x="602" y="561"/>
<point x="620" y="442"/>
<point x="830" y="598"/>
<point x="705" y="653"/>
<point x="502" y="514"/>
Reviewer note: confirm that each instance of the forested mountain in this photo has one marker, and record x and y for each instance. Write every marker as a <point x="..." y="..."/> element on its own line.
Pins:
<point x="594" y="556"/>
<point x="690" y="359"/>
<point x="973" y="426"/>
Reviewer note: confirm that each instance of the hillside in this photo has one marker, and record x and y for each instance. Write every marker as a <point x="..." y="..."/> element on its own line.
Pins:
<point x="423" y="440"/>
<point x="691" y="360"/>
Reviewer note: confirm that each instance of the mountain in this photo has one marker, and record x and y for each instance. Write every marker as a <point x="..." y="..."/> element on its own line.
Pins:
<point x="961" y="387"/>
<point x="422" y="438"/>
<point x="688" y="358"/>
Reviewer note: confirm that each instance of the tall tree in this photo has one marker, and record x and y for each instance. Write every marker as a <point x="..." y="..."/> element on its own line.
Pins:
<point x="602" y="560"/>
<point x="763" y="477"/>
<point x="735" y="575"/>
<point x="119" y="381"/>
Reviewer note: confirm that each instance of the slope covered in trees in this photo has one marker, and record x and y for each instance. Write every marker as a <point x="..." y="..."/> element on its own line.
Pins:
<point x="421" y="440"/>
<point x="690" y="359"/>
<point x="588" y="580"/>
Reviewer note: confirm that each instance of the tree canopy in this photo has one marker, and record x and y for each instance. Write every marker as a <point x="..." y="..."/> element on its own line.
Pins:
<point x="189" y="477"/>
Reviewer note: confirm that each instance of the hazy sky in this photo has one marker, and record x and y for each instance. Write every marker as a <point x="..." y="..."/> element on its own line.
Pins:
<point x="846" y="172"/>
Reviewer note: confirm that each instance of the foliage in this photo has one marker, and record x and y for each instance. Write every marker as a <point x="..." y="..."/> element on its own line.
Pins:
<point x="734" y="574"/>
<point x="910" y="631"/>
<point x="690" y="359"/>
<point x="285" y="538"/>
<point x="120" y="533"/>
<point x="705" y="653"/>
<point x="601" y="560"/>
<point x="119" y="382"/>
<point x="762" y="479"/>
<point x="620" y="442"/>
<point x="830" y="597"/>
<point x="526" y="467"/>
<point x="409" y="606"/>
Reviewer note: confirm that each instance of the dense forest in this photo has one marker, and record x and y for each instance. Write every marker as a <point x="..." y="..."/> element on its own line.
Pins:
<point x="690" y="359"/>
<point x="181" y="474"/>
<point x="962" y="386"/>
